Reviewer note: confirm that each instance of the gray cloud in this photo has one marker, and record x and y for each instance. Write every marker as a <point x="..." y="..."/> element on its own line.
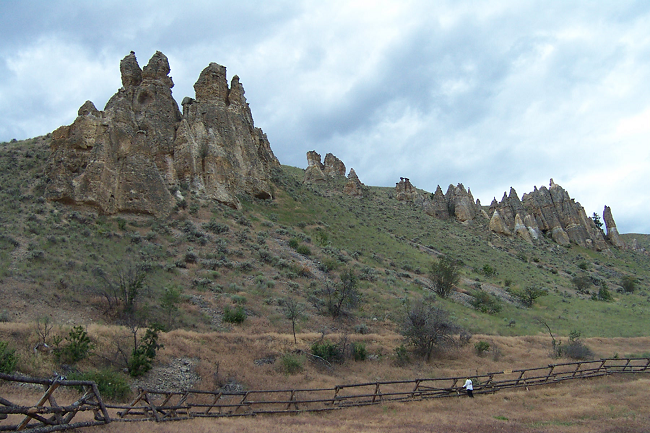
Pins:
<point x="492" y="94"/>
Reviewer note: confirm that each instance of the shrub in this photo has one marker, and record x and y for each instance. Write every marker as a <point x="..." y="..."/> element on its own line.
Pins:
<point x="581" y="283"/>
<point x="111" y="385"/>
<point x="8" y="358"/>
<point x="485" y="303"/>
<point x="359" y="352"/>
<point x="304" y="250"/>
<point x="628" y="283"/>
<point x="528" y="295"/>
<point x="330" y="352"/>
<point x="481" y="347"/>
<point x="603" y="294"/>
<point x="293" y="243"/>
<point x="78" y="347"/>
<point x="428" y="328"/>
<point x="576" y="349"/>
<point x="291" y="364"/>
<point x="489" y="271"/>
<point x="401" y="355"/>
<point x="445" y="273"/>
<point x="143" y="354"/>
<point x="236" y="315"/>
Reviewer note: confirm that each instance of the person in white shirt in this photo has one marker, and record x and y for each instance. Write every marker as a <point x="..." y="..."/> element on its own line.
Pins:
<point x="469" y="387"/>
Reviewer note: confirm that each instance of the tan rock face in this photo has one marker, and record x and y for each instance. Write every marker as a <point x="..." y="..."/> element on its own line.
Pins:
<point x="405" y="191"/>
<point x="127" y="157"/>
<point x="552" y="211"/>
<point x="314" y="172"/>
<point x="612" y="231"/>
<point x="354" y="187"/>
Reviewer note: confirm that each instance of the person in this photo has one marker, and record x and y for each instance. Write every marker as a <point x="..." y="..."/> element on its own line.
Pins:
<point x="469" y="387"/>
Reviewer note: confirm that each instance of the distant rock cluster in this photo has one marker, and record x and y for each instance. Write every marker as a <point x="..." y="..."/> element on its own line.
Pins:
<point x="549" y="212"/>
<point x="332" y="168"/>
<point x="132" y="156"/>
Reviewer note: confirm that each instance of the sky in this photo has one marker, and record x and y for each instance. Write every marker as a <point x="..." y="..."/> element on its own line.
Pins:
<point x="490" y="94"/>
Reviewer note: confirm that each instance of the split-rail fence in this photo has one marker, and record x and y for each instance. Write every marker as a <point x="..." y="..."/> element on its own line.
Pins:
<point x="160" y="405"/>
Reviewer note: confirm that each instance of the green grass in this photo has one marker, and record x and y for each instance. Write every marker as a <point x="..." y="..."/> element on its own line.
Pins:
<point x="392" y="244"/>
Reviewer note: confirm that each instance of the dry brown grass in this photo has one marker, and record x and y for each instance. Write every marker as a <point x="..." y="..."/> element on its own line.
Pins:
<point x="599" y="405"/>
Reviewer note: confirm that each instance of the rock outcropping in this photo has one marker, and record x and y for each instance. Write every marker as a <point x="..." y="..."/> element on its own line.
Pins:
<point x="318" y="172"/>
<point x="546" y="212"/>
<point x="127" y="157"/>
<point x="551" y="212"/>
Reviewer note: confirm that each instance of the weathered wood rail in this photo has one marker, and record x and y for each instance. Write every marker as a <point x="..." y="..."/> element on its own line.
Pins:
<point x="160" y="405"/>
<point x="47" y="415"/>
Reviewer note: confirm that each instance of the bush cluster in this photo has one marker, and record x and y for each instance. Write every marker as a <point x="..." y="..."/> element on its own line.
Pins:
<point x="111" y="385"/>
<point x="8" y="358"/>
<point x="235" y="315"/>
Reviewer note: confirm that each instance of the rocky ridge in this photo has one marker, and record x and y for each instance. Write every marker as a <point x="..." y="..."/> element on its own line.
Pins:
<point x="135" y="154"/>
<point x="544" y="212"/>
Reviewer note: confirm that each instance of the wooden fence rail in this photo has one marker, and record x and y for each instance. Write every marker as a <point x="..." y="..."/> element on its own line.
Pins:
<point x="160" y="405"/>
<point x="47" y="415"/>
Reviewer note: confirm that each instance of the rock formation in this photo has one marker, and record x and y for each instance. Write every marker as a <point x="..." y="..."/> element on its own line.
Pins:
<point x="612" y="233"/>
<point x="405" y="191"/>
<point x="127" y="157"/>
<point x="318" y="172"/>
<point x="548" y="211"/>
<point x="314" y="172"/>
<point x="354" y="187"/>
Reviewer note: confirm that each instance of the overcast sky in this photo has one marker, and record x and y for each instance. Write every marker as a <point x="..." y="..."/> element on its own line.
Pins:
<point x="491" y="94"/>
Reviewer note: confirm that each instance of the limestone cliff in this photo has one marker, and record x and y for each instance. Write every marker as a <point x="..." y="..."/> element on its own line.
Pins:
<point x="128" y="156"/>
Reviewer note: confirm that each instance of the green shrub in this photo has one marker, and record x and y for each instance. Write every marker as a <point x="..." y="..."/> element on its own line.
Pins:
<point x="327" y="350"/>
<point x="291" y="364"/>
<point x="485" y="303"/>
<point x="401" y="355"/>
<point x="489" y="271"/>
<point x="293" y="243"/>
<point x="359" y="352"/>
<point x="234" y="315"/>
<point x="603" y="294"/>
<point x="8" y="358"/>
<point x="528" y="295"/>
<point x="628" y="283"/>
<point x="304" y="250"/>
<point x="142" y="357"/>
<point x="481" y="347"/>
<point x="112" y="385"/>
<point x="78" y="346"/>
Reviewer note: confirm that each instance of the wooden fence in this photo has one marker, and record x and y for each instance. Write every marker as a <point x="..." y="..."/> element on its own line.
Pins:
<point x="160" y="405"/>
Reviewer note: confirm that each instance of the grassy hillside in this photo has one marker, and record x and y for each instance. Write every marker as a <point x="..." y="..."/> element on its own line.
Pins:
<point x="63" y="256"/>
<point x="207" y="267"/>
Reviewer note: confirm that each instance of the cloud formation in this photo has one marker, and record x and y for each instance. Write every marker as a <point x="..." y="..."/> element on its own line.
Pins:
<point x="491" y="94"/>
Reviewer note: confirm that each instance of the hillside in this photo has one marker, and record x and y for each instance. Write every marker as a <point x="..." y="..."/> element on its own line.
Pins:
<point x="218" y="256"/>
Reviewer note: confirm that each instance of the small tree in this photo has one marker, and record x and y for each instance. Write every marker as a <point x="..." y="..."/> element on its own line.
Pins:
<point x="445" y="274"/>
<point x="596" y="218"/>
<point x="428" y="328"/>
<point x="293" y="312"/>
<point x="343" y="294"/>
<point x="528" y="295"/>
<point x="121" y="286"/>
<point x="78" y="346"/>
<point x="143" y="354"/>
<point x="169" y="303"/>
